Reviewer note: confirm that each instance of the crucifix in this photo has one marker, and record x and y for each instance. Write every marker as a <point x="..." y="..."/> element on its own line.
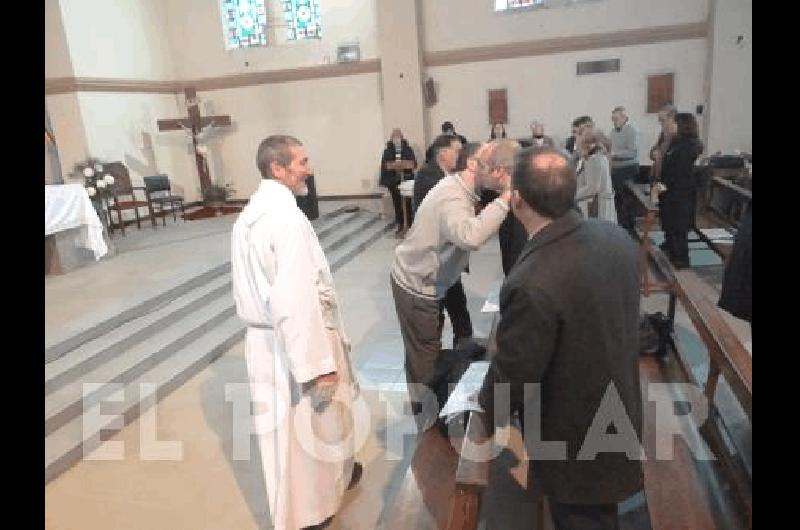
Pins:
<point x="193" y="125"/>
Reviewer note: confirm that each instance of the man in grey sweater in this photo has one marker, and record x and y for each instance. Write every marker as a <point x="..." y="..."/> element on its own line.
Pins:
<point x="433" y="256"/>
<point x="624" y="164"/>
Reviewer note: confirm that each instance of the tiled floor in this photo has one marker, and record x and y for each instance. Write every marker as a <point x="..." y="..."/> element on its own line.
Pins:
<point x="206" y="488"/>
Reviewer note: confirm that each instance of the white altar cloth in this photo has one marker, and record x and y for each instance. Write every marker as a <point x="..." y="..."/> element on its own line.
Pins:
<point x="68" y="206"/>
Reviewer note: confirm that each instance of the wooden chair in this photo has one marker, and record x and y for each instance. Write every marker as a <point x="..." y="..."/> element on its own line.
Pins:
<point x="158" y="192"/>
<point x="124" y="197"/>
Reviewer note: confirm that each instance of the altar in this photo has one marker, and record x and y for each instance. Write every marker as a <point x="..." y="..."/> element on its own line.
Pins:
<point x="74" y="234"/>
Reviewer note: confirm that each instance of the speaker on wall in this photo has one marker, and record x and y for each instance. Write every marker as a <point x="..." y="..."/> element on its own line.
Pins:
<point x="429" y="93"/>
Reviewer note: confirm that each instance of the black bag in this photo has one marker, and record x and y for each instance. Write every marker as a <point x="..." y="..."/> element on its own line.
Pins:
<point x="655" y="334"/>
<point x="450" y="366"/>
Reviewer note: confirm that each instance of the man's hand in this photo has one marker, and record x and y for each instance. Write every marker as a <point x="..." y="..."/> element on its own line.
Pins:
<point x="331" y="378"/>
<point x="321" y="391"/>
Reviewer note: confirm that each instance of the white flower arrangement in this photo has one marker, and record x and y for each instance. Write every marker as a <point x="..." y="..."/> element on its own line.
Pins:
<point x="100" y="183"/>
<point x="91" y="191"/>
<point x="88" y="172"/>
<point x="108" y="179"/>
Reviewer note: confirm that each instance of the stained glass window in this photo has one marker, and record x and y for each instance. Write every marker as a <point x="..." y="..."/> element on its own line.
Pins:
<point x="302" y="19"/>
<point x="502" y="5"/>
<point x="245" y="23"/>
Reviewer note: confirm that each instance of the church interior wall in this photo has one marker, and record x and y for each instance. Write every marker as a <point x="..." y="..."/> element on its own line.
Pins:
<point x="57" y="62"/>
<point x="341" y="118"/>
<point x="338" y="120"/>
<point x="123" y="39"/>
<point x="731" y="98"/>
<point x="195" y="33"/>
<point x="122" y="127"/>
<point x="546" y="88"/>
<point x="70" y="134"/>
<point x="455" y="24"/>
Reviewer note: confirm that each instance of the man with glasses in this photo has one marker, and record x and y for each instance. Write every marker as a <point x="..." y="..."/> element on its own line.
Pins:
<point x="433" y="256"/>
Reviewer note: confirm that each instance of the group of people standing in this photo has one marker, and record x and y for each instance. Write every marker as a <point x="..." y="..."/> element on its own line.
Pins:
<point x="548" y="334"/>
<point x="604" y="164"/>
<point x="298" y="354"/>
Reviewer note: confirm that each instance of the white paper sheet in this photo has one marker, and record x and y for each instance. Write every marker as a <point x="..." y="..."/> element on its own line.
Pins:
<point x="465" y="394"/>
<point x="716" y="233"/>
<point x="492" y="303"/>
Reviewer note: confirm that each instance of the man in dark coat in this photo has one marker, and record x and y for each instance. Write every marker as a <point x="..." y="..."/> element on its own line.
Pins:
<point x="569" y="333"/>
<point x="397" y="148"/>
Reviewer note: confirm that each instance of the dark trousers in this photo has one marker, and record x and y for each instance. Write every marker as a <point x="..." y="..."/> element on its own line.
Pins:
<point x="624" y="201"/>
<point x="584" y="516"/>
<point x="677" y="245"/>
<point x="397" y="200"/>
<point x="421" y="329"/>
<point x="455" y="302"/>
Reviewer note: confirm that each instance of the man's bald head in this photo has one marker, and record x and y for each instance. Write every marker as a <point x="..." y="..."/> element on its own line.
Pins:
<point x="545" y="181"/>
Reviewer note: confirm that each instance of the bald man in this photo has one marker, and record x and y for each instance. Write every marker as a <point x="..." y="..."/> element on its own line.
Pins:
<point x="434" y="254"/>
<point x="567" y="341"/>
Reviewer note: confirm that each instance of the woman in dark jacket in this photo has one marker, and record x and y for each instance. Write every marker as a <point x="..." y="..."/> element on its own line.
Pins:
<point x="396" y="149"/>
<point x="676" y="203"/>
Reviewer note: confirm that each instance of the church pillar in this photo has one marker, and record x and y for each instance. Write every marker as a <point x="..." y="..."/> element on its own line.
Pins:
<point x="401" y="71"/>
<point x="52" y="165"/>
<point x="728" y="117"/>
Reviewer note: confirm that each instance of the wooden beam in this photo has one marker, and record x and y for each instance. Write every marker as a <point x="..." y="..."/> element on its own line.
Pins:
<point x="615" y="39"/>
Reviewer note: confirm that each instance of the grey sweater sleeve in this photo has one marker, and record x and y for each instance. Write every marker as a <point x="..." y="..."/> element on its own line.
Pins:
<point x="627" y="148"/>
<point x="466" y="230"/>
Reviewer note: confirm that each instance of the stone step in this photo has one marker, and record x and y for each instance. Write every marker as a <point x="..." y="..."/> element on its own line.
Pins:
<point x="64" y="404"/>
<point x="325" y="218"/>
<point x="66" y="446"/>
<point x="345" y="226"/>
<point x="136" y="310"/>
<point x="325" y="226"/>
<point x="368" y="232"/>
<point x="105" y="347"/>
<point x="179" y="329"/>
<point x="330" y="228"/>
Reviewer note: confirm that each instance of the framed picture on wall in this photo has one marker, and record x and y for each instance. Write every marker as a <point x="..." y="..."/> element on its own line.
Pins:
<point x="498" y="106"/>
<point x="660" y="90"/>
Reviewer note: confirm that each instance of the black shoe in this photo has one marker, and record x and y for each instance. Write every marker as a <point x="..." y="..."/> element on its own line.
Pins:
<point x="681" y="263"/>
<point x="462" y="343"/>
<point x="355" y="478"/>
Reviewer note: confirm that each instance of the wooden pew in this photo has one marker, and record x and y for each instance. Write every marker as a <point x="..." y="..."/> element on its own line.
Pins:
<point x="727" y="357"/>
<point x="472" y="477"/>
<point x="424" y="498"/>
<point x="442" y="490"/>
<point x="726" y="200"/>
<point x="676" y="498"/>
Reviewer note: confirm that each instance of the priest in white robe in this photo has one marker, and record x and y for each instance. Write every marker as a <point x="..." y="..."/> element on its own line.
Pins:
<point x="301" y="380"/>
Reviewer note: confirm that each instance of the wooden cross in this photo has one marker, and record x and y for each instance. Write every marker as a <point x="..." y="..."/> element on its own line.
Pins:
<point x="195" y="123"/>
